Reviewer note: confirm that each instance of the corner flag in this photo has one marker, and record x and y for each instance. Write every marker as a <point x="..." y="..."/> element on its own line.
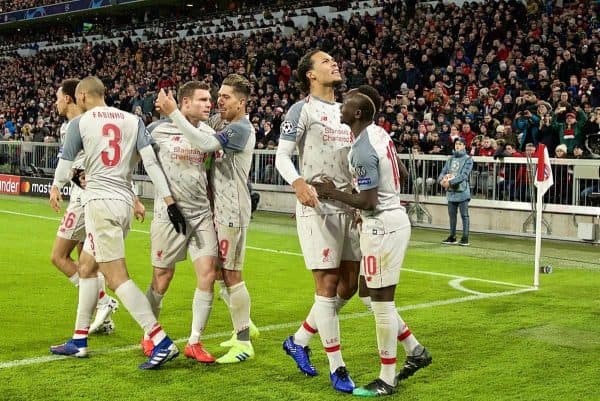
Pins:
<point x="544" y="180"/>
<point x="544" y="171"/>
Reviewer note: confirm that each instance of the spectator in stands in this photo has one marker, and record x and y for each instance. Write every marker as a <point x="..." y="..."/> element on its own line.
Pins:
<point x="562" y="189"/>
<point x="591" y="131"/>
<point x="266" y="136"/>
<point x="523" y="182"/>
<point x="40" y="131"/>
<point x="548" y="134"/>
<point x="454" y="177"/>
<point x="509" y="59"/>
<point x="468" y="135"/>
<point x="526" y="126"/>
<point x="570" y="131"/>
<point x="568" y="67"/>
<point x="284" y="72"/>
<point x="10" y="126"/>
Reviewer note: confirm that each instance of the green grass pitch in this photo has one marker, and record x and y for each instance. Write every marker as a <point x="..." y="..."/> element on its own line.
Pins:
<point x="491" y="336"/>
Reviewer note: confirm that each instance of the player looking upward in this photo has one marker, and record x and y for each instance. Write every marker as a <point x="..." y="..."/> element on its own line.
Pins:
<point x="325" y="229"/>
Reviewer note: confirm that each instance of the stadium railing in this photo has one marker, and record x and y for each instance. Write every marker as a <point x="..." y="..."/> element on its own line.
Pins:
<point x="503" y="198"/>
<point x="503" y="183"/>
<point x="28" y="158"/>
<point x="495" y="183"/>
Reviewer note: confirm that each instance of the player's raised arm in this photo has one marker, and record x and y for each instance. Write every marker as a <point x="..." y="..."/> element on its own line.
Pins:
<point x="73" y="144"/>
<point x="156" y="174"/>
<point x="202" y="137"/>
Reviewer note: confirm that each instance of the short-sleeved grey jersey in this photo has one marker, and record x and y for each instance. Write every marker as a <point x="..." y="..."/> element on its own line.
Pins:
<point x="78" y="162"/>
<point x="184" y="169"/>
<point x="373" y="161"/>
<point x="216" y="122"/>
<point x="229" y="174"/>
<point x="323" y="143"/>
<point x="111" y="139"/>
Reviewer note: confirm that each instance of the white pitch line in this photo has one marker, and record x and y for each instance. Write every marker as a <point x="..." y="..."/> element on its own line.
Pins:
<point x="299" y="254"/>
<point x="30" y="215"/>
<point x="404" y="269"/>
<point x="476" y="296"/>
<point x="273" y="327"/>
<point x="457" y="285"/>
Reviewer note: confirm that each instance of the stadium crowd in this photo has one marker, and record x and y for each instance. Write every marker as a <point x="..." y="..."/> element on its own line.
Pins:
<point x="7" y="6"/>
<point x="506" y="74"/>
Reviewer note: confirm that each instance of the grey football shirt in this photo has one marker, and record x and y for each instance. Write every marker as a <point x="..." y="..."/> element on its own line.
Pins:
<point x="323" y="144"/>
<point x="111" y="139"/>
<point x="229" y="174"/>
<point x="184" y="169"/>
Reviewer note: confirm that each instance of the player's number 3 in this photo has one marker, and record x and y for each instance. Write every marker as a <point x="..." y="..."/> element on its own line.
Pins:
<point x="112" y="156"/>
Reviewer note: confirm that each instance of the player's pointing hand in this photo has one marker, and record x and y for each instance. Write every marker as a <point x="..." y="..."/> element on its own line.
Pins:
<point x="165" y="102"/>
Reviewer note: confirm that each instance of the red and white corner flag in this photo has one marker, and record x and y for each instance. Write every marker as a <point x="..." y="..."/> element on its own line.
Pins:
<point x="544" y="171"/>
<point x="544" y="180"/>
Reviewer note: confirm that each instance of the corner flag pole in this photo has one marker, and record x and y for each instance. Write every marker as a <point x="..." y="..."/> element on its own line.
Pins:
<point x="538" y="237"/>
<point x="544" y="180"/>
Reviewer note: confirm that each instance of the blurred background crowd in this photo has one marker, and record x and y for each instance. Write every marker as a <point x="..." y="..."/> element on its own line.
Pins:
<point x="501" y="74"/>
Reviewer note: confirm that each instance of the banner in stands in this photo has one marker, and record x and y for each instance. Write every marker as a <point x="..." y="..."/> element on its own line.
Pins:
<point x="40" y="187"/>
<point x="10" y="184"/>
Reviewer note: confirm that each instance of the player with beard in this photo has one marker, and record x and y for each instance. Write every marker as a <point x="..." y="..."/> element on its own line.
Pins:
<point x="328" y="239"/>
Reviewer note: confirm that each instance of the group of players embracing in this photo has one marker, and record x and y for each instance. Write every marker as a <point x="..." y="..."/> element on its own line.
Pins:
<point x="199" y="167"/>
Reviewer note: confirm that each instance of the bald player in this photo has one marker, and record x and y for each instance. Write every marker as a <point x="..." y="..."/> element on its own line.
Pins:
<point x="111" y="140"/>
<point x="71" y="231"/>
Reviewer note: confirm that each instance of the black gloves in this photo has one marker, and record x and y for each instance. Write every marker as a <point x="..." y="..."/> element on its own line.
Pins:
<point x="176" y="218"/>
<point x="77" y="177"/>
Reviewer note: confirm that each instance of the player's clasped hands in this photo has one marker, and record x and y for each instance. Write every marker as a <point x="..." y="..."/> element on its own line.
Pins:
<point x="324" y="189"/>
<point x="446" y="180"/>
<point x="165" y="102"/>
<point x="306" y="193"/>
